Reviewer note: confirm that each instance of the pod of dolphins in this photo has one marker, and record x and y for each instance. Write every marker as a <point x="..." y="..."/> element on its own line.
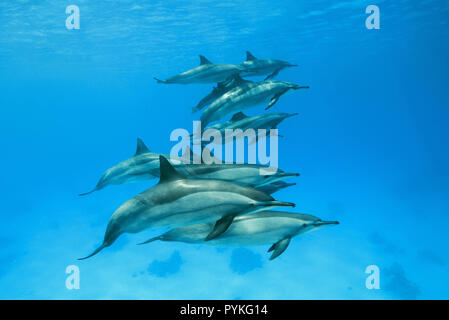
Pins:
<point x="214" y="204"/>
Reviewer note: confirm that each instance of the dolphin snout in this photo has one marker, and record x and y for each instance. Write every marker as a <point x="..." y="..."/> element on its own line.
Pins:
<point x="287" y="174"/>
<point x="297" y="87"/>
<point x="324" y="223"/>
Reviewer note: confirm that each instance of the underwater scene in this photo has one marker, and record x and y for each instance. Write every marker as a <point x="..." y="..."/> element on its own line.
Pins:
<point x="211" y="149"/>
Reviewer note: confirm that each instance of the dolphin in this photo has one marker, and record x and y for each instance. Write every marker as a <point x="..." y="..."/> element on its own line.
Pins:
<point x="144" y="165"/>
<point x="263" y="228"/>
<point x="206" y="72"/>
<point x="250" y="95"/>
<point x="274" y="186"/>
<point x="177" y="201"/>
<point x="240" y="173"/>
<point x="257" y="67"/>
<point x="221" y="88"/>
<point x="241" y="121"/>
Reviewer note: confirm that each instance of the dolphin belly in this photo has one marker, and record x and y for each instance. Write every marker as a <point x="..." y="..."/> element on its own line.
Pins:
<point x="245" y="176"/>
<point x="242" y="232"/>
<point x="194" y="208"/>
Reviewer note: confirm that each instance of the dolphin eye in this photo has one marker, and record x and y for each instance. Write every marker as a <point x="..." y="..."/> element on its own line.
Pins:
<point x="266" y="176"/>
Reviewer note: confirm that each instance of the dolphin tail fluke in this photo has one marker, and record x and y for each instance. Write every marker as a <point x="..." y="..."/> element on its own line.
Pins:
<point x="220" y="226"/>
<point x="95" y="251"/>
<point x="159" y="80"/>
<point x="151" y="240"/>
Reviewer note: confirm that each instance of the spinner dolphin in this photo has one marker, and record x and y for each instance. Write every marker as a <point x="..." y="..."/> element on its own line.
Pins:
<point x="178" y="201"/>
<point x="206" y="72"/>
<point x="250" y="95"/>
<point x="268" y="227"/>
<point x="257" y="67"/>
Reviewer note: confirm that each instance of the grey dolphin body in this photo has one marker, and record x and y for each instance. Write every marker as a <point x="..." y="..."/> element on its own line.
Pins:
<point x="241" y="121"/>
<point x="221" y="88"/>
<point x="243" y="174"/>
<point x="206" y="72"/>
<point x="257" y="67"/>
<point x="268" y="227"/>
<point x="250" y="95"/>
<point x="144" y="165"/>
<point x="177" y="201"/>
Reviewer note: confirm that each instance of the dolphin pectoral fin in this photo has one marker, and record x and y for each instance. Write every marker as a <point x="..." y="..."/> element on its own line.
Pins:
<point x="279" y="247"/>
<point x="220" y="226"/>
<point x="95" y="251"/>
<point x="273" y="101"/>
<point x="276" y="98"/>
<point x="271" y="76"/>
<point x="151" y="240"/>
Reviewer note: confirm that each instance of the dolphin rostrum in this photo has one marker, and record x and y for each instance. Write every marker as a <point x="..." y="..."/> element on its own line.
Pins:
<point x="177" y="201"/>
<point x="221" y="88"/>
<point x="274" y="186"/>
<point x="252" y="94"/>
<point x="144" y="165"/>
<point x="206" y="72"/>
<point x="262" y="228"/>
<point x="257" y="67"/>
<point x="241" y="121"/>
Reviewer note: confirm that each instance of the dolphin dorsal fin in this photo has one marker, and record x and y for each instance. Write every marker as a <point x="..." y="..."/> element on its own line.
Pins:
<point x="238" y="116"/>
<point x="204" y="60"/>
<point x="167" y="172"/>
<point x="238" y="79"/>
<point x="249" y="56"/>
<point x="141" y="147"/>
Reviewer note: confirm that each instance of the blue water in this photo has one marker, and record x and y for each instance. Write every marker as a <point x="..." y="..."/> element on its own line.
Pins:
<point x="371" y="144"/>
